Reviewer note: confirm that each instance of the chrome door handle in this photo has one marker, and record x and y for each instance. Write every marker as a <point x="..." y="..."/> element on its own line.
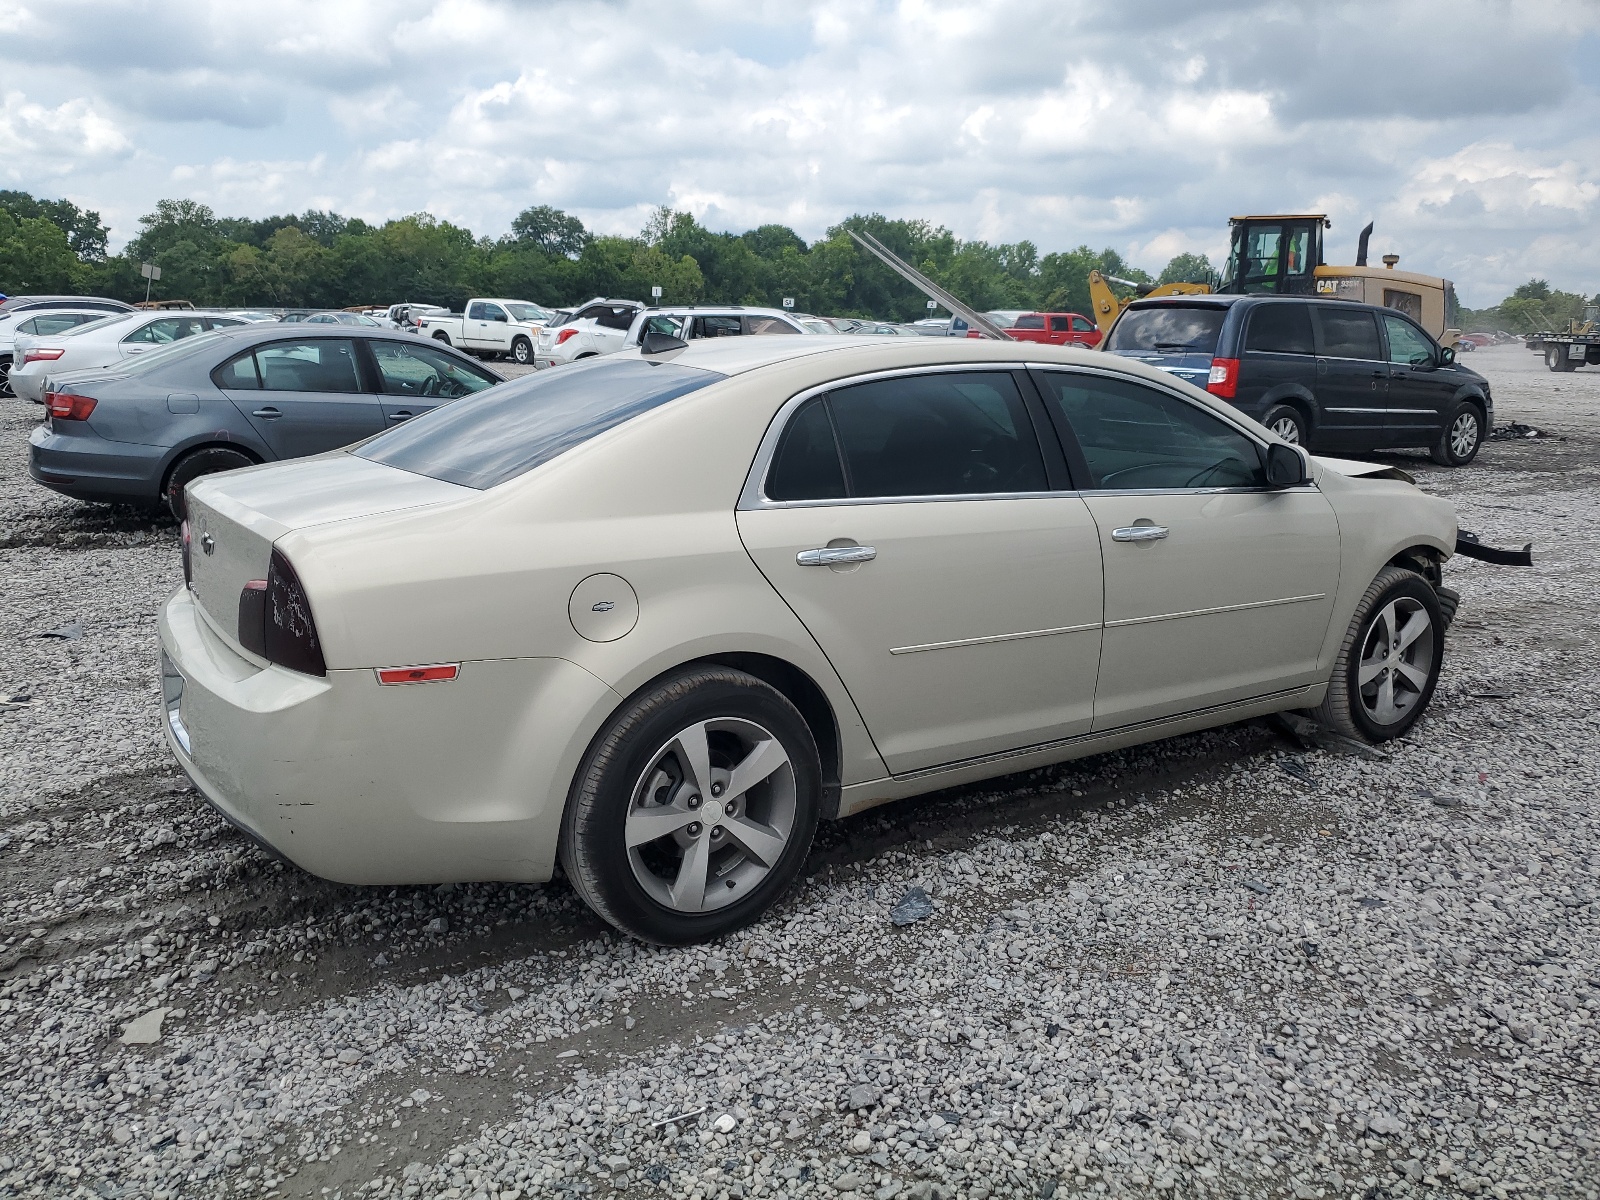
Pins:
<point x="267" y="414"/>
<point x="1139" y="533"/>
<point x="404" y="414"/>
<point x="832" y="556"/>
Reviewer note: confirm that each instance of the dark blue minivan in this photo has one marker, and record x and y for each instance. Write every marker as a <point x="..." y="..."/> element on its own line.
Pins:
<point x="1332" y="375"/>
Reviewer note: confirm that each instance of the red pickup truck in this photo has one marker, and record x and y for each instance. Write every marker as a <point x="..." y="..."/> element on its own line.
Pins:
<point x="1056" y="329"/>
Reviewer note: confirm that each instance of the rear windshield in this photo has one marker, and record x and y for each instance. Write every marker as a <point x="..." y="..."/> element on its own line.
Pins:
<point x="496" y="435"/>
<point x="1168" y="328"/>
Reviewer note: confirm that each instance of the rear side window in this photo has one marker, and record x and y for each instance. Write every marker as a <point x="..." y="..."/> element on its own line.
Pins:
<point x="506" y="431"/>
<point x="807" y="465"/>
<point x="1031" y="321"/>
<point x="1346" y="332"/>
<point x="941" y="434"/>
<point x="1281" y="329"/>
<point x="1134" y="437"/>
<point x="1169" y="328"/>
<point x="238" y="374"/>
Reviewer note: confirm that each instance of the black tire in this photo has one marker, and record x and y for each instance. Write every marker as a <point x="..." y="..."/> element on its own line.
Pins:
<point x="442" y="336"/>
<point x="619" y="780"/>
<point x="1289" y="423"/>
<point x="1349" y="708"/>
<point x="1462" y="437"/>
<point x="6" y="391"/>
<point x="187" y="469"/>
<point x="522" y="351"/>
<point x="1555" y="357"/>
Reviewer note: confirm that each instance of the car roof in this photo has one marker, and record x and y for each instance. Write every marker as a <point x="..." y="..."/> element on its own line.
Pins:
<point x="738" y="355"/>
<point x="21" y="303"/>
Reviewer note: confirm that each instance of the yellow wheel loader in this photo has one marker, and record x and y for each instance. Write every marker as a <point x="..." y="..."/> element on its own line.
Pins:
<point x="1282" y="255"/>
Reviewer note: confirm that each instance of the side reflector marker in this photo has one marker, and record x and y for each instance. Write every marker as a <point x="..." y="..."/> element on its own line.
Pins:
<point x="435" y="674"/>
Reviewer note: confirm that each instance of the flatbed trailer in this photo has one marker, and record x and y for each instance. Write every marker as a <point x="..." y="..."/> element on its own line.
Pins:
<point x="1566" y="351"/>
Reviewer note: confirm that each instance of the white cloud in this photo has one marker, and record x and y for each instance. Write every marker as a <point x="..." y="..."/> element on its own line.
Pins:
<point x="1461" y="126"/>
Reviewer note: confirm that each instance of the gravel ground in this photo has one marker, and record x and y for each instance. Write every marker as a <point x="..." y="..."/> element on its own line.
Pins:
<point x="1238" y="964"/>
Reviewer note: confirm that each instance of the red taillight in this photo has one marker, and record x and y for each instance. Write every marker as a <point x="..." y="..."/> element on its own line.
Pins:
<point x="289" y="633"/>
<point x="64" y="406"/>
<point x="432" y="674"/>
<point x="565" y="334"/>
<point x="188" y="563"/>
<point x="41" y="355"/>
<point x="1224" y="378"/>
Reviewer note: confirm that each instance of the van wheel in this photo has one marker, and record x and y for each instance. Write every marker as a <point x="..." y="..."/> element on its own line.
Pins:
<point x="186" y="470"/>
<point x="1463" y="435"/>
<point x="442" y="336"/>
<point x="522" y="351"/>
<point x="1288" y="423"/>
<point x="693" y="811"/>
<point x="1389" y="661"/>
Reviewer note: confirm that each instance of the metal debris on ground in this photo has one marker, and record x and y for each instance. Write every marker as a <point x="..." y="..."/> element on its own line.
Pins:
<point x="914" y="906"/>
<point x="677" y="1120"/>
<point x="1256" y="886"/>
<point x="1514" y="430"/>
<point x="67" y="633"/>
<point x="1298" y="769"/>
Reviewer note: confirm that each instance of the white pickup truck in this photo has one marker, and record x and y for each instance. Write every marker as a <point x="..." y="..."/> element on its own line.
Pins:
<point x="490" y="328"/>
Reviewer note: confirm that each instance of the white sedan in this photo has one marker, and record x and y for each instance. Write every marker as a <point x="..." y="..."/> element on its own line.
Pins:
<point x="656" y="616"/>
<point x="103" y="343"/>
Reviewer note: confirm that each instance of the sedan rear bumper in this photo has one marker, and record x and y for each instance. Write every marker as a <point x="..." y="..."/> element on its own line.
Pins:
<point x="368" y="784"/>
<point x="86" y="466"/>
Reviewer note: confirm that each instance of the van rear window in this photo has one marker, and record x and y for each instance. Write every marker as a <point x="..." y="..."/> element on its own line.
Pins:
<point x="1168" y="329"/>
<point x="495" y="435"/>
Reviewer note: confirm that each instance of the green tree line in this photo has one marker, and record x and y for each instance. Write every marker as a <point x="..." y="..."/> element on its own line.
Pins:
<point x="325" y="260"/>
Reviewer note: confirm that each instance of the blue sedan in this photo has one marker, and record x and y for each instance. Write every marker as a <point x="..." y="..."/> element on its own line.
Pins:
<point x="141" y="431"/>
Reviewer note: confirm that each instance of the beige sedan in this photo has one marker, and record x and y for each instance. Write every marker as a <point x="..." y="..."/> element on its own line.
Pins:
<point x="657" y="615"/>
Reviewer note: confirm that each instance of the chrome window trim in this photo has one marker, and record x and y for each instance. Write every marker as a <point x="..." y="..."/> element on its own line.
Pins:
<point x="753" y="495"/>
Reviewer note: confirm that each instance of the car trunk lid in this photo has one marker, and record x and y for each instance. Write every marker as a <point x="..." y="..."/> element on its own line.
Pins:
<point x="235" y="518"/>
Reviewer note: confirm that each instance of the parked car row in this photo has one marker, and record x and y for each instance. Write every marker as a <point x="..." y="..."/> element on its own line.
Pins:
<point x="28" y="315"/>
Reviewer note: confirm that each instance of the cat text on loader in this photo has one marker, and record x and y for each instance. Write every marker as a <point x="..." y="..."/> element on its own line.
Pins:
<point x="1282" y="255"/>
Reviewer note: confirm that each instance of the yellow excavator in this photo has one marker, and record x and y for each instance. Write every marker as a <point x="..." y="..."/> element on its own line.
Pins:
<point x="1282" y="255"/>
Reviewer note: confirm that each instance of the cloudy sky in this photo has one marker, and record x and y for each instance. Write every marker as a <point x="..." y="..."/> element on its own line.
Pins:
<point x="1468" y="129"/>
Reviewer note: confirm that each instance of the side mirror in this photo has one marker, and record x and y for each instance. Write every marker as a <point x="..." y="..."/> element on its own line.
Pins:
<point x="1447" y="355"/>
<point x="660" y="343"/>
<point x="1286" y="467"/>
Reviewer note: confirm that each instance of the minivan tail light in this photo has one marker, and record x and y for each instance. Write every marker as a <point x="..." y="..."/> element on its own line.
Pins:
<point x="289" y="631"/>
<point x="42" y="354"/>
<point x="64" y="406"/>
<point x="1224" y="378"/>
<point x="565" y="334"/>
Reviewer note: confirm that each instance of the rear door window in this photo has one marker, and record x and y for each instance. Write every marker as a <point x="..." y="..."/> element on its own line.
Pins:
<point x="710" y="327"/>
<point x="238" y="374"/>
<point x="1281" y="329"/>
<point x="1060" y="325"/>
<point x="940" y="434"/>
<point x="168" y="329"/>
<point x="504" y="432"/>
<point x="806" y="465"/>
<point x="1346" y="332"/>
<point x="1136" y="438"/>
<point x="310" y="365"/>
<point x="616" y="317"/>
<point x="1169" y="329"/>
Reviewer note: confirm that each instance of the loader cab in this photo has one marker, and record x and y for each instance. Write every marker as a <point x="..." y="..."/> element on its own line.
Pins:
<point x="1276" y="255"/>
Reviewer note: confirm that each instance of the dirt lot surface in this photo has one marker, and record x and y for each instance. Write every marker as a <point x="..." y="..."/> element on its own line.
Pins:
<point x="1227" y="965"/>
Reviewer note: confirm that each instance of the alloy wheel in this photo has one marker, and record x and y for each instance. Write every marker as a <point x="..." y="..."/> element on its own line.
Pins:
<point x="1464" y="434"/>
<point x="1288" y="429"/>
<point x="711" y="815"/>
<point x="1396" y="660"/>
